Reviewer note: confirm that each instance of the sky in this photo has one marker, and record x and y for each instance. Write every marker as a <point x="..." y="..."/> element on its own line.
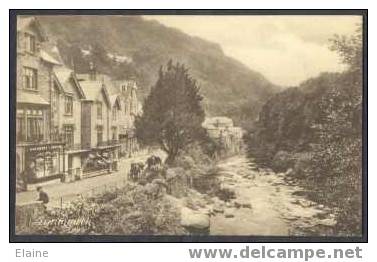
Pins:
<point x="285" y="49"/>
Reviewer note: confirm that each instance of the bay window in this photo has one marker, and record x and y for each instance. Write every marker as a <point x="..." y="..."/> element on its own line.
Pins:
<point x="29" y="126"/>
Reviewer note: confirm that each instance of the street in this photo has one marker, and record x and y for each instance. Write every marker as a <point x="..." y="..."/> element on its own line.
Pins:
<point x="61" y="193"/>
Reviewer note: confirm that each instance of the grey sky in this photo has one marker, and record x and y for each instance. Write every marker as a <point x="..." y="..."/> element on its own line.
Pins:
<point x="286" y="49"/>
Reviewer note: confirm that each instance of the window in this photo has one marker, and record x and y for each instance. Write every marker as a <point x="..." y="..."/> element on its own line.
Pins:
<point x="99" y="134"/>
<point x="68" y="105"/>
<point x="29" y="78"/>
<point x="99" y="110"/>
<point x="29" y="126"/>
<point x="30" y="43"/>
<point x="115" y="113"/>
<point x="55" y="134"/>
<point x="123" y="88"/>
<point x="68" y="132"/>
<point x="34" y="129"/>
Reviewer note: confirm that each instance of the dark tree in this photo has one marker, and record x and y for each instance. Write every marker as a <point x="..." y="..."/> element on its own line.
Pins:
<point x="172" y="113"/>
<point x="349" y="49"/>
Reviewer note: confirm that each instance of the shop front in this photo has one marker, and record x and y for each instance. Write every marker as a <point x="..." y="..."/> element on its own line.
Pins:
<point x="101" y="160"/>
<point x="42" y="163"/>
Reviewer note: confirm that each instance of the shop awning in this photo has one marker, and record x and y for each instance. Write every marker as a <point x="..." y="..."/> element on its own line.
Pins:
<point x="31" y="98"/>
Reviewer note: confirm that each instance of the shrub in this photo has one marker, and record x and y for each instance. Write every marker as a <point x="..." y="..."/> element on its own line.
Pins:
<point x="282" y="161"/>
<point x="136" y="210"/>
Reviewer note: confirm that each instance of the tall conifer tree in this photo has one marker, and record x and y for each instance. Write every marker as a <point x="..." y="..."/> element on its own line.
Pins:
<point x="172" y="113"/>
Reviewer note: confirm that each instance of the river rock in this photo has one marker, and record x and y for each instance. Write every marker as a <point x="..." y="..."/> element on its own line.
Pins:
<point x="229" y="212"/>
<point x="289" y="171"/>
<point x="247" y="205"/>
<point x="194" y="219"/>
<point x="327" y="222"/>
<point x="242" y="202"/>
<point x="229" y="204"/>
<point x="303" y="202"/>
<point x="218" y="208"/>
<point x="208" y="210"/>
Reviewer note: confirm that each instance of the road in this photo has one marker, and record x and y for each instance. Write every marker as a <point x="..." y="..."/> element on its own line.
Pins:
<point x="65" y="192"/>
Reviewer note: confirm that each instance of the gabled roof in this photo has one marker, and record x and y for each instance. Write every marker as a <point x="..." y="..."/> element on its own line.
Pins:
<point x="52" y="53"/>
<point x="91" y="90"/>
<point x="24" y="21"/>
<point x="64" y="77"/>
<point x="115" y="100"/>
<point x="49" y="58"/>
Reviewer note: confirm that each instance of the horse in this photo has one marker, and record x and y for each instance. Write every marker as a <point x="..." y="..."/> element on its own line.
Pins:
<point x="136" y="171"/>
<point x="153" y="162"/>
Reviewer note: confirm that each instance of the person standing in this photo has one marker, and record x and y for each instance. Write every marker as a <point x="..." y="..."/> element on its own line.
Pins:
<point x="43" y="196"/>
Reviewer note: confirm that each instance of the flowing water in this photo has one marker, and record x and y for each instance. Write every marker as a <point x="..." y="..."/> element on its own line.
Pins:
<point x="269" y="204"/>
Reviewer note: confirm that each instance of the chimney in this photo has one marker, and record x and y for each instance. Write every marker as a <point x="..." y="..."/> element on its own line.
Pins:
<point x="92" y="71"/>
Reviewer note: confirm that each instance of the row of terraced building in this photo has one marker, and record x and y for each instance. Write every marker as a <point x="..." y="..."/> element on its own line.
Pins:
<point x="68" y="126"/>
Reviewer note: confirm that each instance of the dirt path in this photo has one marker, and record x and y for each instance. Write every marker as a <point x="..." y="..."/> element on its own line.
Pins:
<point x="275" y="208"/>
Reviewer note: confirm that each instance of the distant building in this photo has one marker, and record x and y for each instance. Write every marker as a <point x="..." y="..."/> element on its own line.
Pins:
<point x="126" y="90"/>
<point x="222" y="131"/>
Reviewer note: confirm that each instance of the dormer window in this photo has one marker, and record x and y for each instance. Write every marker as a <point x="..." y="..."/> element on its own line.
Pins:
<point x="30" y="43"/>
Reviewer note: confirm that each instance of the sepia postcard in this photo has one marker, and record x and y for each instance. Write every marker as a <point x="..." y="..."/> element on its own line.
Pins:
<point x="199" y="126"/>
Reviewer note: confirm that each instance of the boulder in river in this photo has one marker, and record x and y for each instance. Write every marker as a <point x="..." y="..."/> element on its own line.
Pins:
<point x="194" y="219"/>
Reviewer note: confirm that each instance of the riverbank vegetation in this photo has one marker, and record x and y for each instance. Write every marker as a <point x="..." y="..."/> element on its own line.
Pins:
<point x="130" y="210"/>
<point x="315" y="131"/>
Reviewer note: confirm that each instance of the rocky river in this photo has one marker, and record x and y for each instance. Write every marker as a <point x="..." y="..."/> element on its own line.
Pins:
<point x="265" y="203"/>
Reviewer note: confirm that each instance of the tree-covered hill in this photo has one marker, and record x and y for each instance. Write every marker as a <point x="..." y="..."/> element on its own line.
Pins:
<point x="315" y="130"/>
<point x="142" y="46"/>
